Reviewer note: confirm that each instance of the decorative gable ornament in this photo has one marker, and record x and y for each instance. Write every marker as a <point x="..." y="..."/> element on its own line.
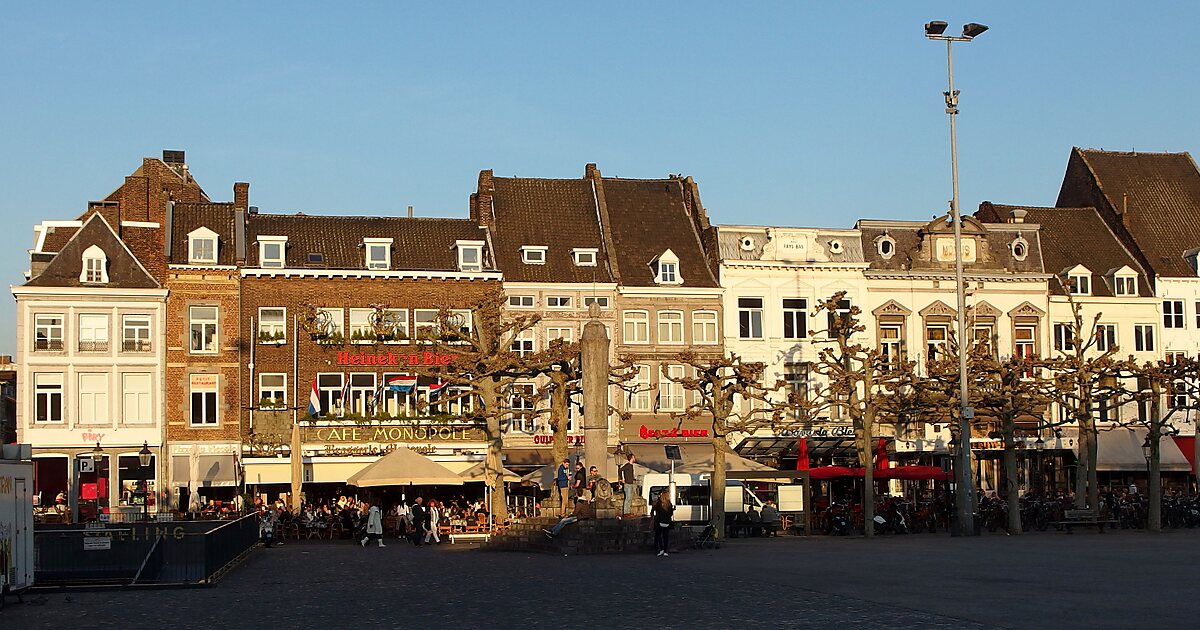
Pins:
<point x="938" y="308"/>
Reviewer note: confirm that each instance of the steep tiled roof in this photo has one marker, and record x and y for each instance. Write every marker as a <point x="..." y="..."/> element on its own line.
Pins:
<point x="648" y="217"/>
<point x="1075" y="236"/>
<point x="559" y="214"/>
<point x="218" y="217"/>
<point x="914" y="240"/>
<point x="57" y="237"/>
<point x="1159" y="192"/>
<point x="418" y="244"/>
<point x="124" y="271"/>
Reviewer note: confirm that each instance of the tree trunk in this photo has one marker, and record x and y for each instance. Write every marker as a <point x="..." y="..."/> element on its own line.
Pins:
<point x="716" y="486"/>
<point x="494" y="434"/>
<point x="1093" y="494"/>
<point x="1013" y="497"/>
<point x="867" y="458"/>
<point x="1081" y="469"/>
<point x="558" y="415"/>
<point x="1154" y="517"/>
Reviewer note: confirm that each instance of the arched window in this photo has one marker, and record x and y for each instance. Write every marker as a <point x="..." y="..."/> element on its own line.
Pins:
<point x="95" y="266"/>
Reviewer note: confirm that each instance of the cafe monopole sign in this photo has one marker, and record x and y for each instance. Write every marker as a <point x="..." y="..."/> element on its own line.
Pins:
<point x="391" y="358"/>
<point x="388" y="433"/>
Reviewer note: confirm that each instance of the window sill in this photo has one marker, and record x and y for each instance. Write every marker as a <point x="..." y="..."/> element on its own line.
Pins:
<point x="278" y="342"/>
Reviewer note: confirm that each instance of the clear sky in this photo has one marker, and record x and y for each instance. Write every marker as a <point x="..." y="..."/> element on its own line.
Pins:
<point x="791" y="113"/>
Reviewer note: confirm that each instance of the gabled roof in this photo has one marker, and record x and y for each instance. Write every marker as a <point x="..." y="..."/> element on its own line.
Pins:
<point x="124" y="270"/>
<point x="1075" y="236"/>
<point x="558" y="213"/>
<point x="912" y="237"/>
<point x="1152" y="200"/>
<point x="648" y="217"/>
<point x="418" y="244"/>
<point x="218" y="217"/>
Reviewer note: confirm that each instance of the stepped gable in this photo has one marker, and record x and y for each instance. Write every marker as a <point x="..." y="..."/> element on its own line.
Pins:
<point x="1075" y="236"/>
<point x="560" y="214"/>
<point x="219" y="217"/>
<point x="418" y="244"/>
<point x="1150" y="200"/>
<point x="649" y="216"/>
<point x="123" y="268"/>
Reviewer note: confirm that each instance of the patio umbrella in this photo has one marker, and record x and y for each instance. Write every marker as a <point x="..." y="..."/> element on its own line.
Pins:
<point x="478" y="472"/>
<point x="404" y="467"/>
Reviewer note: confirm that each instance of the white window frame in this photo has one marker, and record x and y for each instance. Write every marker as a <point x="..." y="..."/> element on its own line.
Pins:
<point x="558" y="301"/>
<point x="200" y="235"/>
<point x="94" y="267"/>
<point x="140" y="325"/>
<point x="373" y="245"/>
<point x="666" y="269"/>
<point x="137" y="404"/>
<point x="204" y="323"/>
<point x="935" y="348"/>
<point x="209" y="396"/>
<point x="533" y="254"/>
<point x="750" y="317"/>
<point x="277" y="329"/>
<point x="279" y="401"/>
<point x="522" y="301"/>
<point x="93" y="330"/>
<point x="1125" y="284"/>
<point x="1106" y="337"/>
<point x="1143" y="337"/>
<point x="703" y="323"/>
<point x="48" y="386"/>
<point x="635" y="327"/>
<point x="1174" y="316"/>
<point x="559" y="332"/>
<point x="1025" y="348"/>
<point x="670" y="327"/>
<point x="521" y="408"/>
<point x="420" y="326"/>
<point x="1063" y="334"/>
<point x="585" y="256"/>
<point x="329" y="395"/>
<point x="462" y="247"/>
<point x="93" y="398"/>
<point x="523" y="343"/>
<point x="671" y="395"/>
<point x="891" y="343"/>
<point x="360" y="323"/>
<point x="45" y="326"/>
<point x="1079" y="284"/>
<point x="641" y="399"/>
<point x="272" y="262"/>
<point x="602" y="300"/>
<point x="362" y="386"/>
<point x="797" y="315"/>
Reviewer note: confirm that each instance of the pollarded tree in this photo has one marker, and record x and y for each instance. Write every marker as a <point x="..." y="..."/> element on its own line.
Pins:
<point x="731" y="394"/>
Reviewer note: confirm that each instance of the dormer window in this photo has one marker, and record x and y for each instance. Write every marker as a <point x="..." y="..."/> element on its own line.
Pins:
<point x="95" y="266"/>
<point x="1193" y="259"/>
<point x="666" y="268"/>
<point x="378" y="253"/>
<point x="1079" y="280"/>
<point x="584" y="257"/>
<point x="533" y="254"/>
<point x="202" y="246"/>
<point x="886" y="246"/>
<point x="271" y="251"/>
<point x="1019" y="248"/>
<point x="470" y="255"/>
<point x="1124" y="281"/>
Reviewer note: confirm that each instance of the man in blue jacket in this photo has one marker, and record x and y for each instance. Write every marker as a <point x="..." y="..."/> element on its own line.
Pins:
<point x="562" y="481"/>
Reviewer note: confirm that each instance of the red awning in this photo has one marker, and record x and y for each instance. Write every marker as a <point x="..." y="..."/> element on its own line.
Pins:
<point x="1187" y="445"/>
<point x="911" y="473"/>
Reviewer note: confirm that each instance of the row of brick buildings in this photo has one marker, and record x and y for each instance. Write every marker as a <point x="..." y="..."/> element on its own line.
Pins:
<point x="161" y="319"/>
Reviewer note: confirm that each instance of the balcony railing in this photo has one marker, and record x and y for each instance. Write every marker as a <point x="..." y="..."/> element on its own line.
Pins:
<point x="48" y="345"/>
<point x="136" y="345"/>
<point x="93" y="346"/>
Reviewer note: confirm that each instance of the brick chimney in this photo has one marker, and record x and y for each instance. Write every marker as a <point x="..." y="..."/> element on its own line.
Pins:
<point x="135" y="202"/>
<point x="481" y="200"/>
<point x="241" y="195"/>
<point x="592" y="172"/>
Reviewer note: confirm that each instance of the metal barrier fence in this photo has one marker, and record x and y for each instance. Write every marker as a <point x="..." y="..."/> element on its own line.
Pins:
<point x="183" y="552"/>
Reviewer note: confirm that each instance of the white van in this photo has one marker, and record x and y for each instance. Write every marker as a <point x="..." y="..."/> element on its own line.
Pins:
<point x="692" y="497"/>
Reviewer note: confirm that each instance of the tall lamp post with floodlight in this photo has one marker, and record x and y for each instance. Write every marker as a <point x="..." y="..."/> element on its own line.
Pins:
<point x="964" y="496"/>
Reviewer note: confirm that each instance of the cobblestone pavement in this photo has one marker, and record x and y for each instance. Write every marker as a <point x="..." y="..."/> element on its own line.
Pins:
<point x="1120" y="579"/>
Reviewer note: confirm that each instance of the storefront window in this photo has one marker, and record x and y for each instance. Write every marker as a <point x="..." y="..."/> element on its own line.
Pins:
<point x="131" y="478"/>
<point x="93" y="486"/>
<point x="51" y="479"/>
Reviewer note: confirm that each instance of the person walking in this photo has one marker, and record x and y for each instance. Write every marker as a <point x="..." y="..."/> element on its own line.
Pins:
<point x="374" y="527"/>
<point x="562" y="481"/>
<point x="433" y="514"/>
<point x="418" y="522"/>
<point x="662" y="519"/>
<point x="628" y="484"/>
<point x="266" y="527"/>
<point x="403" y="519"/>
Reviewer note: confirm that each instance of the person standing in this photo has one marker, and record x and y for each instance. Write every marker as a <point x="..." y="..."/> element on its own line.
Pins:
<point x="562" y="481"/>
<point x="266" y="527"/>
<point x="579" y="482"/>
<point x="374" y="527"/>
<point x="433" y="515"/>
<point x="662" y="519"/>
<point x="628" y="484"/>
<point x="418" y="521"/>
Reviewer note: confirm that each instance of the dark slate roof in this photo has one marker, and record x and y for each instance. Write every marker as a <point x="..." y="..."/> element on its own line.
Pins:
<point x="557" y="213"/>
<point x="1076" y="236"/>
<point x="218" y="217"/>
<point x="1161" y="192"/>
<point x="911" y="238"/>
<point x="418" y="244"/>
<point x="124" y="271"/>
<point x="648" y="217"/>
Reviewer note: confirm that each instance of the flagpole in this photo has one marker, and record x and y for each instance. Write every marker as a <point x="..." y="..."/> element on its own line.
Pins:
<point x="297" y="456"/>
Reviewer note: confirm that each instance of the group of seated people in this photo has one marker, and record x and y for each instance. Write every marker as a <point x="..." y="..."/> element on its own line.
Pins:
<point x="756" y="523"/>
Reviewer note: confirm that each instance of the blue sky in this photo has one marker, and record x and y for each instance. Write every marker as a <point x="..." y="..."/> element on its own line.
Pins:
<point x="794" y="113"/>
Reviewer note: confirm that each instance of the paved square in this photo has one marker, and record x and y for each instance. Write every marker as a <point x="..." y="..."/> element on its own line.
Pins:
<point x="1049" y="580"/>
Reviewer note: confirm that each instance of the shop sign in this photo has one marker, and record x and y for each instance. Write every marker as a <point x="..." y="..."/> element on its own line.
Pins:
<point x="391" y="358"/>
<point x="332" y="450"/>
<point x="1023" y="443"/>
<point x="791" y="247"/>
<point x="97" y="543"/>
<point x="646" y="433"/>
<point x="394" y="433"/>
<point x="204" y="381"/>
<point x="549" y="439"/>
<point x="819" y="432"/>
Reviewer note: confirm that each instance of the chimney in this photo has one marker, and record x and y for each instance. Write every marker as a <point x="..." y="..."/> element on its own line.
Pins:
<point x="481" y="201"/>
<point x="253" y="210"/>
<point x="135" y="202"/>
<point x="241" y="195"/>
<point x="410" y="214"/>
<point x="591" y="171"/>
<point x="1125" y="211"/>
<point x="1018" y="215"/>
<point x="173" y="158"/>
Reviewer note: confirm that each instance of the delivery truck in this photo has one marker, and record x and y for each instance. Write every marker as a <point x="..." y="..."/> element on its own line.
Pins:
<point x="16" y="520"/>
<point x="692" y="496"/>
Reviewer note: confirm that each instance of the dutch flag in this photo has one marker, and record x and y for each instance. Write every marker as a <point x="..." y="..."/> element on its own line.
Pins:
<point x="402" y="383"/>
<point x="435" y="389"/>
<point x="314" y="401"/>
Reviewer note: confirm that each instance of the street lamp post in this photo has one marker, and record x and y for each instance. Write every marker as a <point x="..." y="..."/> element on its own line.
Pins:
<point x="1039" y="446"/>
<point x="144" y="457"/>
<point x="97" y="459"/>
<point x="964" y="497"/>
